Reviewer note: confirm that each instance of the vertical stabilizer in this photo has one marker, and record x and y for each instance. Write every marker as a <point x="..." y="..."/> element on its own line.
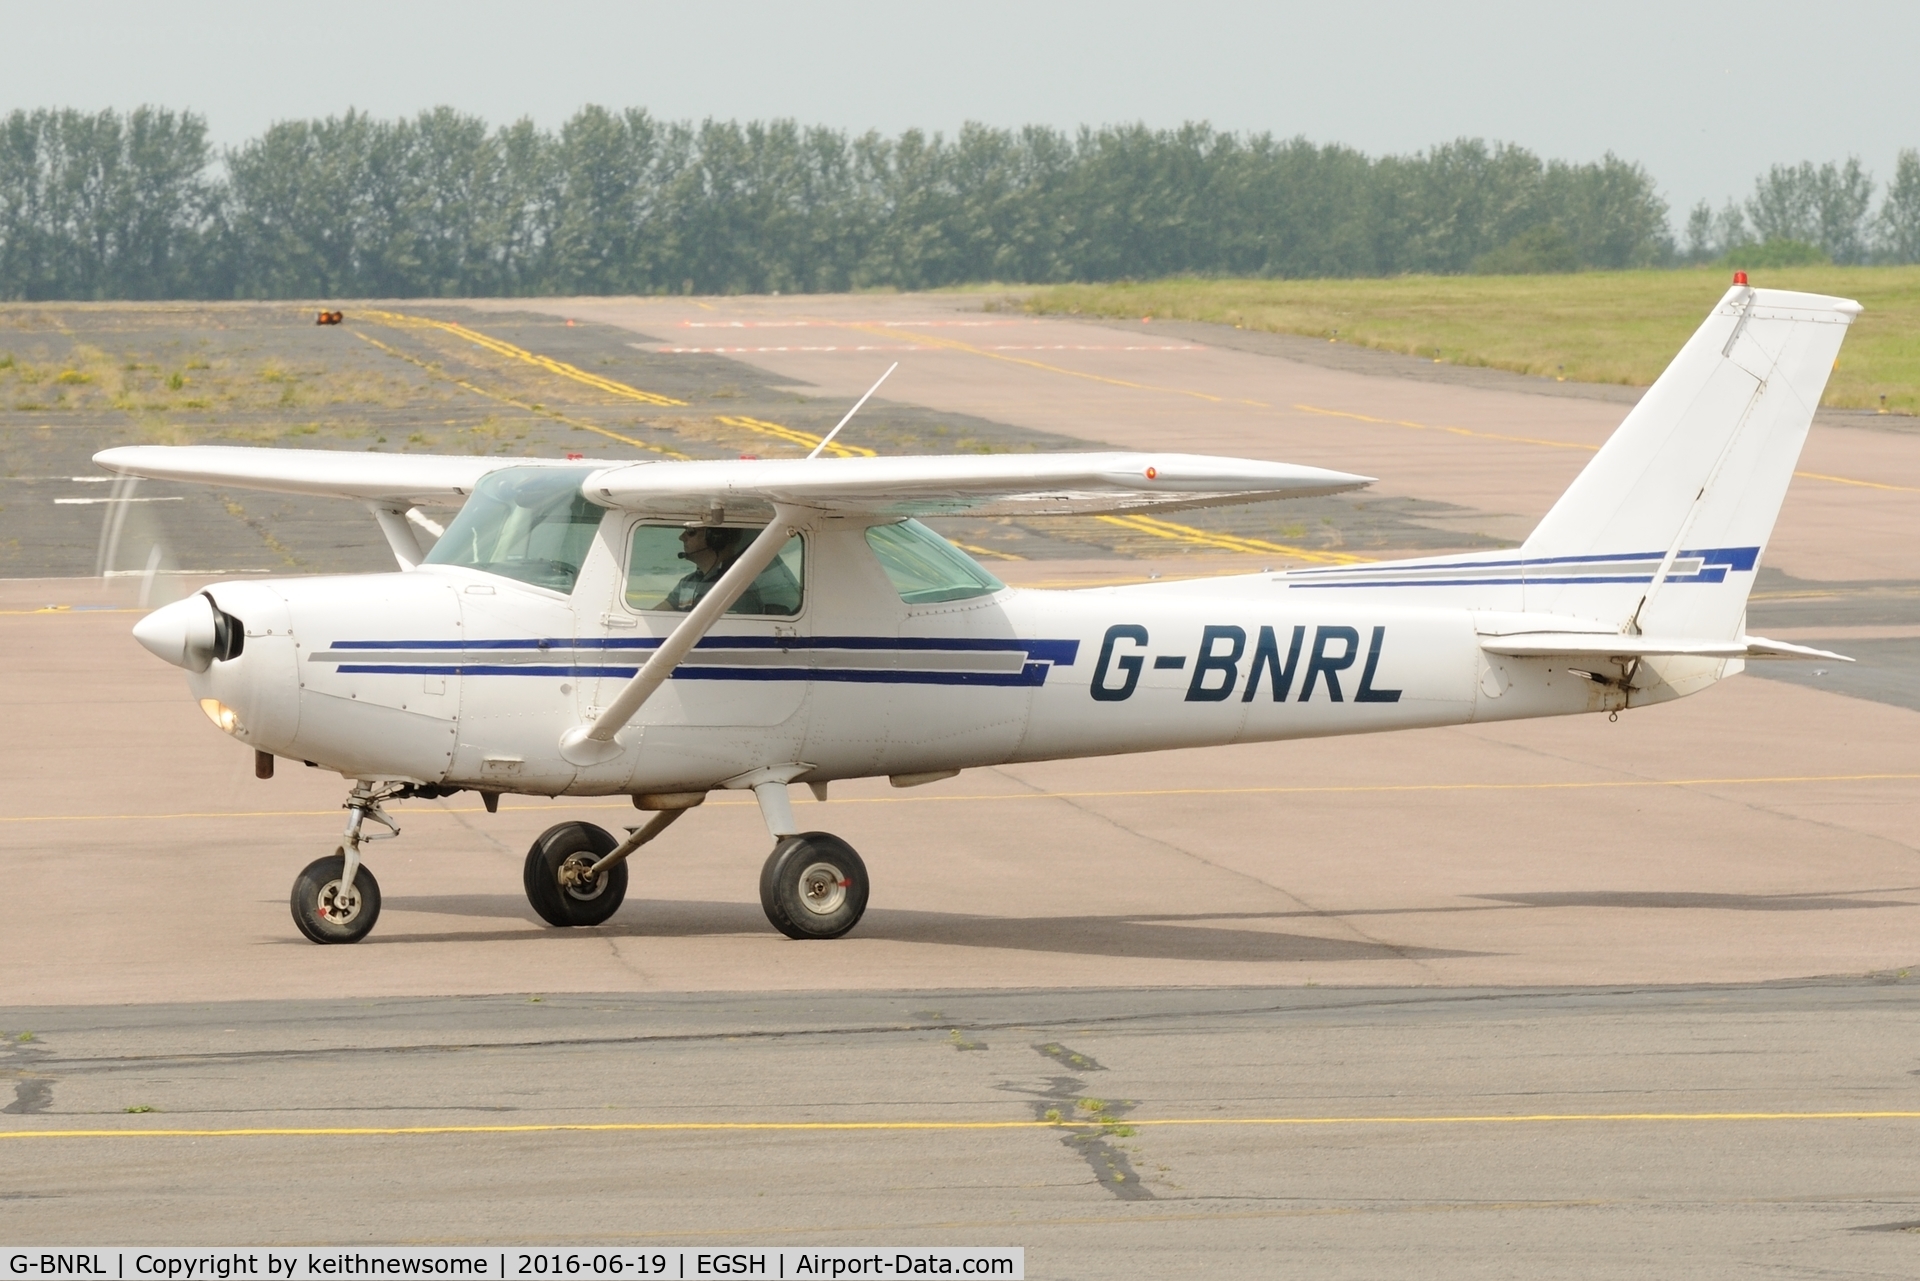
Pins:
<point x="1676" y="508"/>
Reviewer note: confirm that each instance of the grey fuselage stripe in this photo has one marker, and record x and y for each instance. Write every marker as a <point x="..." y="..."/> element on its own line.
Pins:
<point x="855" y="660"/>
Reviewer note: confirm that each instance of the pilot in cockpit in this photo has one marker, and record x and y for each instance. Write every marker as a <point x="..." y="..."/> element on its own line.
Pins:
<point x="712" y="549"/>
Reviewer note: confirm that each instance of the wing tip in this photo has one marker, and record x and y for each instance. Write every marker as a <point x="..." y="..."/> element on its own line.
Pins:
<point x="119" y="458"/>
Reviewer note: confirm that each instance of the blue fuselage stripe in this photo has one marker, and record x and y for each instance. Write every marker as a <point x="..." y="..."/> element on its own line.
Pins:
<point x="1061" y="653"/>
<point x="577" y="658"/>
<point x="1031" y="674"/>
<point x="1714" y="565"/>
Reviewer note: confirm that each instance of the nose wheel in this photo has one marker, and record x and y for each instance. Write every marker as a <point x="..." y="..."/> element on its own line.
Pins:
<point x="813" y="886"/>
<point x="326" y="909"/>
<point x="335" y="899"/>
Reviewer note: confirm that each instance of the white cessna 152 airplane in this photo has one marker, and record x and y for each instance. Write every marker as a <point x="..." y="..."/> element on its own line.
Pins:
<point x="662" y="629"/>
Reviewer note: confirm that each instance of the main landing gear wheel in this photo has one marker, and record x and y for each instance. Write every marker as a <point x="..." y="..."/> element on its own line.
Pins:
<point x="814" y="886"/>
<point x="328" y="913"/>
<point x="558" y="884"/>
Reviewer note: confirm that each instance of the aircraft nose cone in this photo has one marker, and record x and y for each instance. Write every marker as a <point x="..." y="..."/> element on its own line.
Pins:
<point x="182" y="633"/>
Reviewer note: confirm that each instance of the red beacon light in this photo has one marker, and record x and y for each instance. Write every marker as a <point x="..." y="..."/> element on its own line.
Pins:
<point x="1739" y="277"/>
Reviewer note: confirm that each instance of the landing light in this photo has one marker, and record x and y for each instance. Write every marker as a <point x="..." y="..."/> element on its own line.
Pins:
<point x="221" y="715"/>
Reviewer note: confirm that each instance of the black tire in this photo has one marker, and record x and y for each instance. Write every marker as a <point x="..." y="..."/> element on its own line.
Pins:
<point x="813" y="886"/>
<point x="564" y="905"/>
<point x="316" y="907"/>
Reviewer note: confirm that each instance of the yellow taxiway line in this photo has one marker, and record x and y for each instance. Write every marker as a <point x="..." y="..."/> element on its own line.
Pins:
<point x="562" y="368"/>
<point x="1864" y="484"/>
<point x="1097" y="1123"/>
<point x="504" y="399"/>
<point x="1226" y="542"/>
<point x="953" y="344"/>
<point x="1137" y="794"/>
<point x="503" y="348"/>
<point x="793" y="437"/>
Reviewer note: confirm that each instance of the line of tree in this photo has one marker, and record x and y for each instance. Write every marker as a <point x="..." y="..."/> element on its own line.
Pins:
<point x="142" y="205"/>
<point x="1814" y="212"/>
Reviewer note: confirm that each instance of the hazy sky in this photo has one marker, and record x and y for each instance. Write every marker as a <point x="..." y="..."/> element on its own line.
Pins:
<point x="1706" y="96"/>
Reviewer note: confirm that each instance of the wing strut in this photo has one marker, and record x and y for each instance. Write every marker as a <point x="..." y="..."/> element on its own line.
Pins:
<point x="399" y="534"/>
<point x="594" y="744"/>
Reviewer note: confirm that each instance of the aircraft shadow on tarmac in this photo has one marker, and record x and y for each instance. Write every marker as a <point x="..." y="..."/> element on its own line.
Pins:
<point x="1152" y="936"/>
<point x="1197" y="936"/>
<point x="1684" y="899"/>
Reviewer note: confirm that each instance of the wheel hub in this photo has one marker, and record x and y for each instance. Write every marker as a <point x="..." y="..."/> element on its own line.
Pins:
<point x="576" y="876"/>
<point x="823" y="888"/>
<point x="338" y="907"/>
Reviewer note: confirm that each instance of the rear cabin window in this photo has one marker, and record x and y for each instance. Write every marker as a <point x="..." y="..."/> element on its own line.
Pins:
<point x="925" y="568"/>
<point x="524" y="523"/>
<point x="672" y="566"/>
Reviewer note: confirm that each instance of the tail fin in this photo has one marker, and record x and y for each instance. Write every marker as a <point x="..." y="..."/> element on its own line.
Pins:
<point x="1661" y="532"/>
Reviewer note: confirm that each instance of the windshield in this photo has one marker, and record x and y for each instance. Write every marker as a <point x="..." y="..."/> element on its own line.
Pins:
<point x="925" y="568"/>
<point x="525" y="523"/>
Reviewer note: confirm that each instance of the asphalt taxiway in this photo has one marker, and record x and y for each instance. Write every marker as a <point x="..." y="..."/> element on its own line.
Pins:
<point x="1164" y="1132"/>
<point x="1299" y="980"/>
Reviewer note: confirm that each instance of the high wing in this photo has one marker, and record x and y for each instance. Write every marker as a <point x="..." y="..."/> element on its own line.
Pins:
<point x="972" y="484"/>
<point x="397" y="479"/>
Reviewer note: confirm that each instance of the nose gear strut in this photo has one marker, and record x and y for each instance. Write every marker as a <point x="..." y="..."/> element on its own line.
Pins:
<point x="363" y="803"/>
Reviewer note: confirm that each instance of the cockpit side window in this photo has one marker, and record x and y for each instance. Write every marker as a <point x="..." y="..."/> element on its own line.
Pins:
<point x="925" y="568"/>
<point x="526" y="523"/>
<point x="672" y="566"/>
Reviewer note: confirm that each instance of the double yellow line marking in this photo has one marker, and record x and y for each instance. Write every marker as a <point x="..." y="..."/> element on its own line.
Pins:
<point x="763" y="1127"/>
<point x="478" y="390"/>
<point x="501" y="348"/>
<point x="788" y="434"/>
<point x="1226" y="542"/>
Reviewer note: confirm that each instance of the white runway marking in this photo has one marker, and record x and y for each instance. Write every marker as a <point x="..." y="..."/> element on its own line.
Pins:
<point x="175" y="499"/>
<point x="851" y="324"/>
<point x="860" y="347"/>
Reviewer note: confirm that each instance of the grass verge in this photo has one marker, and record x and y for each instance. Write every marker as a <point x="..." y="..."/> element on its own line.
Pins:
<point x="1607" y="327"/>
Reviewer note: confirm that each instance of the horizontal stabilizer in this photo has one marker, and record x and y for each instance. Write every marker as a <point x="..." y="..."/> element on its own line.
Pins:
<point x="1605" y="645"/>
<point x="1761" y="647"/>
<point x="967" y="484"/>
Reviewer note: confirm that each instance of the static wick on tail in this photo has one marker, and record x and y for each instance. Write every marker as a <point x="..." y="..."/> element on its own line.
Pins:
<point x="828" y="438"/>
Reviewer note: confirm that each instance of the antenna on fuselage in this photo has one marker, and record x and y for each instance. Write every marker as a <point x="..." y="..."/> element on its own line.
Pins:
<point x="828" y="438"/>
